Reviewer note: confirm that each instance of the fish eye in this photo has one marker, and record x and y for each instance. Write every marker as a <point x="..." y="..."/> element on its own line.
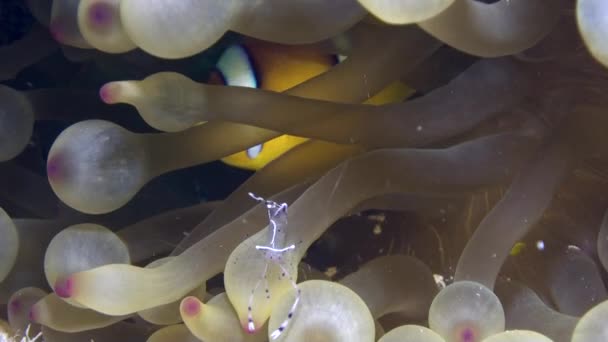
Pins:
<point x="236" y="67"/>
<point x="254" y="152"/>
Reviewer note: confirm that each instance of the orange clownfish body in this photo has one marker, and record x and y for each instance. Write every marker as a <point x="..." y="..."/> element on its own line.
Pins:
<point x="277" y="68"/>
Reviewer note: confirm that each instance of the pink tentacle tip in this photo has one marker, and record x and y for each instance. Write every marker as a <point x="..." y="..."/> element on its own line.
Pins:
<point x="467" y="335"/>
<point x="101" y="14"/>
<point x="15" y="306"/>
<point x="107" y="93"/>
<point x="191" y="306"/>
<point x="64" y="288"/>
<point x="56" y="31"/>
<point x="54" y="168"/>
<point x="33" y="315"/>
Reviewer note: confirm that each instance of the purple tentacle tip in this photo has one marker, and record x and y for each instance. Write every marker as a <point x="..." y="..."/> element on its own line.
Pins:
<point x="467" y="335"/>
<point x="106" y="93"/>
<point x="54" y="169"/>
<point x="56" y="31"/>
<point x="32" y="315"/>
<point x="191" y="306"/>
<point x="101" y="14"/>
<point x="15" y="306"/>
<point x="64" y="287"/>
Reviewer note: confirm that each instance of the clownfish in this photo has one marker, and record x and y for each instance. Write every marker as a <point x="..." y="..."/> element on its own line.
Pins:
<point x="277" y="68"/>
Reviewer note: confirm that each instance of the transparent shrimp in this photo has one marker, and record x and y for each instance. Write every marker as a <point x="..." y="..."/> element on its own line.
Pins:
<point x="273" y="253"/>
<point x="25" y="338"/>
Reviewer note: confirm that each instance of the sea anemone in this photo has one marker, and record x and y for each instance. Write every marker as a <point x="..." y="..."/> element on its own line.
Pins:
<point x="393" y="170"/>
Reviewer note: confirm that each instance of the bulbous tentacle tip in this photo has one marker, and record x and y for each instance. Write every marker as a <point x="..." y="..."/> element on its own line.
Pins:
<point x="64" y="288"/>
<point x="467" y="334"/>
<point x="191" y="306"/>
<point x="33" y="315"/>
<point x="108" y="92"/>
<point x="15" y="306"/>
<point x="100" y="14"/>
<point x="56" y="31"/>
<point x="55" y="169"/>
